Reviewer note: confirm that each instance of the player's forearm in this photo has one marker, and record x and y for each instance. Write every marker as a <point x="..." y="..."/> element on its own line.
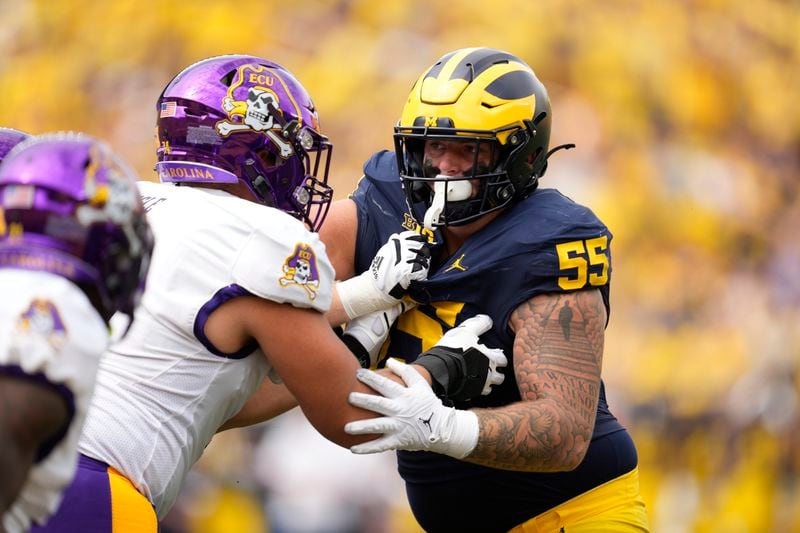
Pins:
<point x="558" y="353"/>
<point x="18" y="440"/>
<point x="30" y="415"/>
<point x="536" y="436"/>
<point x="336" y="315"/>
<point x="269" y="401"/>
<point x="15" y="463"/>
<point x="329" y="412"/>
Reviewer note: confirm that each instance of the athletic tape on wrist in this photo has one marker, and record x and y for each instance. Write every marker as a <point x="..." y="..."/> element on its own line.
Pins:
<point x="360" y="296"/>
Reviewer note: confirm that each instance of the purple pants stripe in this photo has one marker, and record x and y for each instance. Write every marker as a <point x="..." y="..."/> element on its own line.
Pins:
<point x="86" y="507"/>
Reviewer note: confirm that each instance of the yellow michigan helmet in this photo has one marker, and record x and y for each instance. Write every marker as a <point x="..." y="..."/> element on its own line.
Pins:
<point x="479" y="95"/>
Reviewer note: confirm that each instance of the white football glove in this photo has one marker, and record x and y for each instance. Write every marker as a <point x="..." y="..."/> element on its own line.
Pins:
<point x="365" y="335"/>
<point x="415" y="419"/>
<point x="459" y="361"/>
<point x="402" y="259"/>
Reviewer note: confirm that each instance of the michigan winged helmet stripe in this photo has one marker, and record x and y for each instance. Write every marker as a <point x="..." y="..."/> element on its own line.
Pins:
<point x="469" y="63"/>
<point x="468" y="90"/>
<point x="513" y="81"/>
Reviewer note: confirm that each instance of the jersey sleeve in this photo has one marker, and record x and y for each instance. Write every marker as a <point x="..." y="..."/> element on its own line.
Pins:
<point x="381" y="207"/>
<point x="286" y="263"/>
<point x="56" y="334"/>
<point x="573" y="253"/>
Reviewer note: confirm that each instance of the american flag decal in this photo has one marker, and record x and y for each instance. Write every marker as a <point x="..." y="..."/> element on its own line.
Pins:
<point x="18" y="196"/>
<point x="168" y="109"/>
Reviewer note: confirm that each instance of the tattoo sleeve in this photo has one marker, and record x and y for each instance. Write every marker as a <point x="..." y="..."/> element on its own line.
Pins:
<point x="558" y="354"/>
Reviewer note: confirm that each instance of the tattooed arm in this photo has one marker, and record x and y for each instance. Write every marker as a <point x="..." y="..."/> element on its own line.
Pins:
<point x="558" y="351"/>
<point x="558" y="354"/>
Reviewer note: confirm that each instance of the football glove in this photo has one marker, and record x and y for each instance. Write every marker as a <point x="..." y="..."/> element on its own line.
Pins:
<point x="402" y="259"/>
<point x="414" y="418"/>
<point x="460" y="366"/>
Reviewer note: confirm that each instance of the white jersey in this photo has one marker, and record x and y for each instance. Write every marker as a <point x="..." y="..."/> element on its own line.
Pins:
<point x="50" y="331"/>
<point x="164" y="390"/>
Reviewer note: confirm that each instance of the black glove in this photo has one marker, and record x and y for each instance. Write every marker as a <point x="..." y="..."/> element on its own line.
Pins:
<point x="460" y="366"/>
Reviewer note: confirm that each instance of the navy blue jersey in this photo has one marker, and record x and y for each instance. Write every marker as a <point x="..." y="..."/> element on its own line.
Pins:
<point x="547" y="243"/>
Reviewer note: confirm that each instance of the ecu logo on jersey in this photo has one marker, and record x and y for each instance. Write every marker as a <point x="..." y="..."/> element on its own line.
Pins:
<point x="300" y="269"/>
<point x="41" y="321"/>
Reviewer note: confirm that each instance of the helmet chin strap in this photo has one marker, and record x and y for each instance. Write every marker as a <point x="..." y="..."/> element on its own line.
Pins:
<point x="444" y="191"/>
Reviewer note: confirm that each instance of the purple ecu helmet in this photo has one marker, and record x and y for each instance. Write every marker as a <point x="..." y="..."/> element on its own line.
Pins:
<point x="9" y="138"/>
<point x="241" y="118"/>
<point x="71" y="207"/>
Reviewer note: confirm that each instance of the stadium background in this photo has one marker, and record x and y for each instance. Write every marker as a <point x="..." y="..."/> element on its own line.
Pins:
<point x="686" y="119"/>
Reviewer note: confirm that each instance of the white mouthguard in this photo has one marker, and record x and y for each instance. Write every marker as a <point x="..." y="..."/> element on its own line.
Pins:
<point x="457" y="191"/>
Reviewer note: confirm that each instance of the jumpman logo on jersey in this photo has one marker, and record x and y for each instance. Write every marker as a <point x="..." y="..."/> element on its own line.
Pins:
<point x="427" y="422"/>
<point x="457" y="265"/>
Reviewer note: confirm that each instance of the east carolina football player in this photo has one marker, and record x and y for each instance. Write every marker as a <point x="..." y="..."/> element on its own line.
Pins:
<point x="541" y="452"/>
<point x="74" y="248"/>
<point x="236" y="296"/>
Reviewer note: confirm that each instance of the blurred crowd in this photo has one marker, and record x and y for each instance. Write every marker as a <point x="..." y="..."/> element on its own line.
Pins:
<point x="687" y="128"/>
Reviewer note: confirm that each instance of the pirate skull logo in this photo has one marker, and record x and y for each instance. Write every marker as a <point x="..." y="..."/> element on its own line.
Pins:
<point x="258" y="115"/>
<point x="255" y="113"/>
<point x="300" y="270"/>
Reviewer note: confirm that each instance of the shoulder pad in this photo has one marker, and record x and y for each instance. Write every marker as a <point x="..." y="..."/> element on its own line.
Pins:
<point x="286" y="263"/>
<point x="557" y="218"/>
<point x="53" y="331"/>
<point x="382" y="166"/>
